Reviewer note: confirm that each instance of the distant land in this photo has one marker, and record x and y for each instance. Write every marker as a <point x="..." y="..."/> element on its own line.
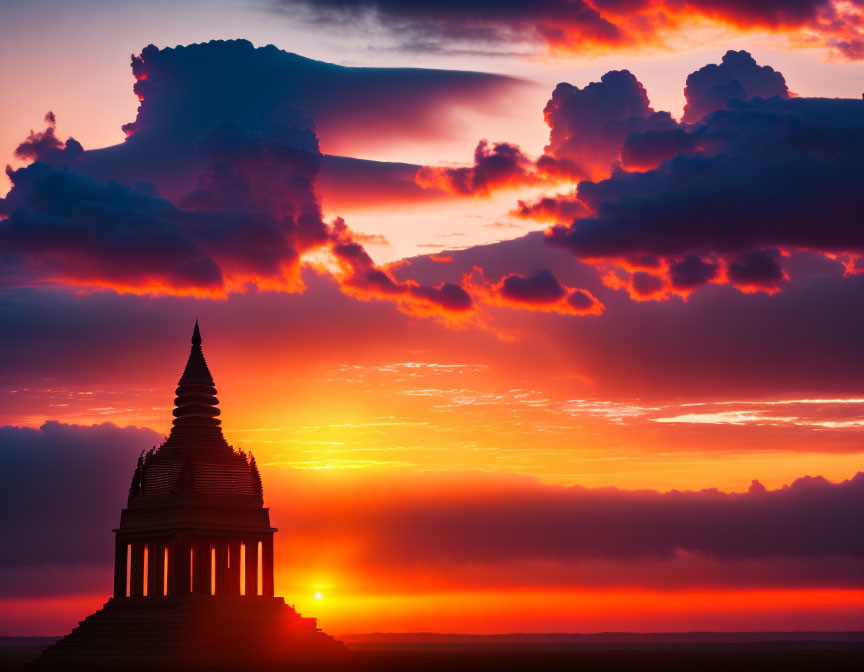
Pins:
<point x="523" y="652"/>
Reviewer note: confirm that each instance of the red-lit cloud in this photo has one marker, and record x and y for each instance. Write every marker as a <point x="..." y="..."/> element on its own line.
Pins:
<point x="588" y="126"/>
<point x="596" y="26"/>
<point x="499" y="167"/>
<point x="718" y="200"/>
<point x="541" y="291"/>
<point x="559" y="209"/>
<point x="362" y="278"/>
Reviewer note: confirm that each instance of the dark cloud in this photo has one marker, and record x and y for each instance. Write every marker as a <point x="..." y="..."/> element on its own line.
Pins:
<point x="46" y="146"/>
<point x="64" y="226"/>
<point x="228" y="118"/>
<point x="737" y="77"/>
<point x="651" y="351"/>
<point x="683" y="346"/>
<point x="253" y="213"/>
<point x="691" y="272"/>
<point x="588" y="126"/>
<point x="450" y="26"/>
<point x="587" y="129"/>
<point x="363" y="279"/>
<point x="777" y="173"/>
<point x="503" y="165"/>
<point x="646" y="284"/>
<point x="543" y="287"/>
<point x="512" y="528"/>
<point x="233" y="80"/>
<point x="63" y="487"/>
<point x="578" y="26"/>
<point x="186" y="90"/>
<point x="541" y="292"/>
<point x="757" y="269"/>
<point x="354" y="109"/>
<point x="643" y="151"/>
<point x="561" y="209"/>
<point x="249" y="217"/>
<point x="61" y="490"/>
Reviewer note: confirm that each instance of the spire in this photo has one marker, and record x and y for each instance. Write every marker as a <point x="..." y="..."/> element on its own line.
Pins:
<point x="196" y="402"/>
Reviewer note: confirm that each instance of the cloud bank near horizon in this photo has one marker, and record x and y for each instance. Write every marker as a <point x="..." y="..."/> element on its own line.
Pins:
<point x="68" y="483"/>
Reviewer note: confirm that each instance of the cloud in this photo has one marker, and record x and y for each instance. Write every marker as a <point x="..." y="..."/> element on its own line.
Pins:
<point x="345" y="182"/>
<point x="502" y="530"/>
<point x="46" y="146"/>
<point x="682" y="349"/>
<point x="65" y="227"/>
<point x="808" y="518"/>
<point x="763" y="174"/>
<point x="360" y="277"/>
<point x="543" y="292"/>
<point x="692" y="271"/>
<point x="587" y="129"/>
<point x="582" y="27"/>
<point x="738" y="76"/>
<point x="610" y="124"/>
<point x="229" y="116"/>
<point x="757" y="270"/>
<point x="354" y="108"/>
<point x="63" y="486"/>
<point x="62" y="489"/>
<point x="588" y="126"/>
<point x="501" y="166"/>
<point x="559" y="209"/>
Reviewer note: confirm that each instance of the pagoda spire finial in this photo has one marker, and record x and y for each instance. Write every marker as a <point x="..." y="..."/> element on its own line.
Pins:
<point x="196" y="402"/>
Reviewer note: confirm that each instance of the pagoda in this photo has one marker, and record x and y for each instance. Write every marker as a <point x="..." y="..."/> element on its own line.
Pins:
<point x="193" y="561"/>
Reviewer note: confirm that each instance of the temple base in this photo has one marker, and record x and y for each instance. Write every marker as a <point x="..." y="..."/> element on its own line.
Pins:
<point x="191" y="632"/>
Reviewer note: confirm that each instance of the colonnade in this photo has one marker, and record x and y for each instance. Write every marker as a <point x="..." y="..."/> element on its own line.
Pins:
<point x="187" y="564"/>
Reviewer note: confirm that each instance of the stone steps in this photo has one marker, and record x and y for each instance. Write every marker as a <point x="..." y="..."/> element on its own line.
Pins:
<point x="217" y="630"/>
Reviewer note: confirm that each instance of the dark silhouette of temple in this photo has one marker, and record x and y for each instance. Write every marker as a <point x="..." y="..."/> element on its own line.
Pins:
<point x="193" y="569"/>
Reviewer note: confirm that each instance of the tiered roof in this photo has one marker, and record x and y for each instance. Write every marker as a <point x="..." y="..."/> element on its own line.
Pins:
<point x="195" y="459"/>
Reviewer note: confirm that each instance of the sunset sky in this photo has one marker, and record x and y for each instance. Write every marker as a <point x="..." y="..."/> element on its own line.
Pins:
<point x="537" y="316"/>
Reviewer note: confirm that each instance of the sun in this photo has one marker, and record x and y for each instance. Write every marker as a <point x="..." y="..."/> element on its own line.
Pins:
<point x="318" y="596"/>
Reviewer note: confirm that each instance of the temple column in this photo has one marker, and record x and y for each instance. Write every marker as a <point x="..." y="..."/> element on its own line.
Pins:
<point x="221" y="546"/>
<point x="156" y="569"/>
<point x="120" y="560"/>
<point x="136" y="570"/>
<point x="251" y="567"/>
<point x="179" y="569"/>
<point x="267" y="566"/>
<point x="201" y="571"/>
<point x="233" y="567"/>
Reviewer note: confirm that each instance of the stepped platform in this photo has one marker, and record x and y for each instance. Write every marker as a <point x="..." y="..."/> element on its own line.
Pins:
<point x="182" y="632"/>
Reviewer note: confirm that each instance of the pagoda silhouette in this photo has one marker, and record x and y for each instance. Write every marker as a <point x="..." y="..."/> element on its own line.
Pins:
<point x="193" y="567"/>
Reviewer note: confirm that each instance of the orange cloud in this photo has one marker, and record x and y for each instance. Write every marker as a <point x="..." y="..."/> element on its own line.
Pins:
<point x="361" y="278"/>
<point x="503" y="166"/>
